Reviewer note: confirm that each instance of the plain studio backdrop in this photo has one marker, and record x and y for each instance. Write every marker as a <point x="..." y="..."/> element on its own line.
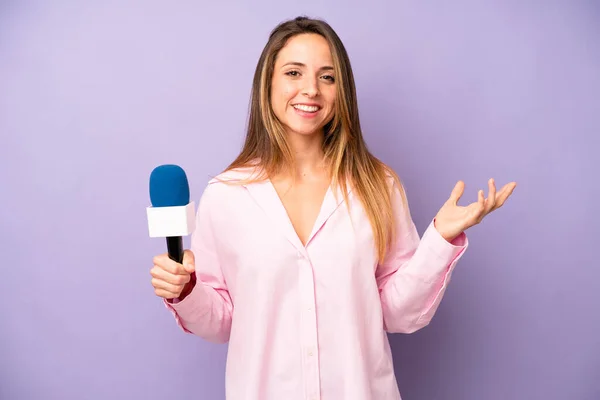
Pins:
<point x="94" y="95"/>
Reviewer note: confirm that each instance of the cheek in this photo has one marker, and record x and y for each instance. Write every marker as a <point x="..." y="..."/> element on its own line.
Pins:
<point x="287" y="94"/>
<point x="288" y="91"/>
<point x="331" y="99"/>
<point x="331" y="95"/>
<point x="281" y="95"/>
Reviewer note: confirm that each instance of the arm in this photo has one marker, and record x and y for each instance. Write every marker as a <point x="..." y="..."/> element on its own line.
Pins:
<point x="206" y="310"/>
<point x="413" y="277"/>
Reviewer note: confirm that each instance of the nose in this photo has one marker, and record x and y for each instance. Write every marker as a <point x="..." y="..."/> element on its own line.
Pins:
<point x="311" y="87"/>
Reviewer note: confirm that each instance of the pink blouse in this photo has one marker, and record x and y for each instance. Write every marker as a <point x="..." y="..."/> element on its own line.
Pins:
<point x="308" y="322"/>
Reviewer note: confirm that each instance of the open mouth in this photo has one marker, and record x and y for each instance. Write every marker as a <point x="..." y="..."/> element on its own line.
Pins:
<point x="306" y="109"/>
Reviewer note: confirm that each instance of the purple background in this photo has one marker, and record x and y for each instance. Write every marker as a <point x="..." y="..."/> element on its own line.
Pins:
<point x="93" y="96"/>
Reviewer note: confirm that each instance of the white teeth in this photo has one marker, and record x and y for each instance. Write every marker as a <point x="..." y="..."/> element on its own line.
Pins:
<point x="306" y="108"/>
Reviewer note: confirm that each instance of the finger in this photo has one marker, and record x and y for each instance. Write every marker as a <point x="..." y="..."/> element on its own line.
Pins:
<point x="175" y="279"/>
<point x="189" y="261"/>
<point x="480" y="210"/>
<point x="491" y="200"/>
<point x="167" y="287"/>
<point x="165" y="294"/>
<point x="457" y="192"/>
<point x="163" y="261"/>
<point x="506" y="191"/>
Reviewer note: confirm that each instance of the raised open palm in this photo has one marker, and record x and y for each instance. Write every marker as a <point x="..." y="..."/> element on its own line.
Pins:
<point x="453" y="219"/>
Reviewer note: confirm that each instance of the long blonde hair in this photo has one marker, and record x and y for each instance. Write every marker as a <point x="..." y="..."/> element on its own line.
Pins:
<point x="343" y="143"/>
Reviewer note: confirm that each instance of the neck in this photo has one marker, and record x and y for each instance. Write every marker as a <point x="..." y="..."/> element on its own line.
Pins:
<point x="308" y="155"/>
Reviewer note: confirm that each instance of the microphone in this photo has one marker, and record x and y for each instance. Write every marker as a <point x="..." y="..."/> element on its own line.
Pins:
<point x="171" y="214"/>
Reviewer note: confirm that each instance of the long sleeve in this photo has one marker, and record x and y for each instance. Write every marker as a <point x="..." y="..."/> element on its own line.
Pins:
<point x="207" y="310"/>
<point x="415" y="273"/>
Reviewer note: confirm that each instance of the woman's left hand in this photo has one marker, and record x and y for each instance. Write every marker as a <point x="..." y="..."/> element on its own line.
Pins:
<point x="452" y="219"/>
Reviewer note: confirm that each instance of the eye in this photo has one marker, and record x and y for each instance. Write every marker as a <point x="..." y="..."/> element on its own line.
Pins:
<point x="329" y="78"/>
<point x="293" y="73"/>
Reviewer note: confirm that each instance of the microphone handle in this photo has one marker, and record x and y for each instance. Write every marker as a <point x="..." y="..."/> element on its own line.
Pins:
<point x="175" y="248"/>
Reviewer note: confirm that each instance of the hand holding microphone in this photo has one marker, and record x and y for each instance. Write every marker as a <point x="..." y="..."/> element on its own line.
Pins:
<point x="171" y="216"/>
<point x="172" y="280"/>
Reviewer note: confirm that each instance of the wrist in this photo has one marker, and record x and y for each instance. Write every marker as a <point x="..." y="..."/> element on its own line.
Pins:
<point x="187" y="289"/>
<point x="447" y="234"/>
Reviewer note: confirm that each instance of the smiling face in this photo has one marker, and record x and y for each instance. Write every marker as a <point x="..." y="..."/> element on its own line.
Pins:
<point x="303" y="85"/>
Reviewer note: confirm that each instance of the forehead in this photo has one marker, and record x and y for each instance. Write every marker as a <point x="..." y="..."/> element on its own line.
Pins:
<point x="307" y="49"/>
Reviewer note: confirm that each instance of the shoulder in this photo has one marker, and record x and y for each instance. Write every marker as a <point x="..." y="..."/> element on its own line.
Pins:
<point x="391" y="178"/>
<point x="383" y="179"/>
<point x="228" y="183"/>
<point x="241" y="176"/>
<point x="396" y="189"/>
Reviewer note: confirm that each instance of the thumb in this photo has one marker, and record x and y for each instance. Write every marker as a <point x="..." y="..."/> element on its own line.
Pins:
<point x="189" y="261"/>
<point x="457" y="192"/>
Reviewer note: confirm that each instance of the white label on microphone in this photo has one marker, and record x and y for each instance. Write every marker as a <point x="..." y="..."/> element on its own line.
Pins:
<point x="171" y="221"/>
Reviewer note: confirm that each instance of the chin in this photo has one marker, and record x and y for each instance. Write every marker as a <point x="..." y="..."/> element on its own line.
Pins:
<point x="305" y="130"/>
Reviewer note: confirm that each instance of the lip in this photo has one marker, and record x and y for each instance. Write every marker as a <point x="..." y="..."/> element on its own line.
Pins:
<point x="305" y="114"/>
<point x="307" y="104"/>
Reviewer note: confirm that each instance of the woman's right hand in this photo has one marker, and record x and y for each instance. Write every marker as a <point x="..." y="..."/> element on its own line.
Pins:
<point x="172" y="280"/>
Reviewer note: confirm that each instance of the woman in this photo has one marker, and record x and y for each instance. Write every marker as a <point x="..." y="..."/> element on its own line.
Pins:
<point x="305" y="253"/>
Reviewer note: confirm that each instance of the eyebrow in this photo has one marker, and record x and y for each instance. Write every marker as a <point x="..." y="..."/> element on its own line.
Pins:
<point x="299" y="64"/>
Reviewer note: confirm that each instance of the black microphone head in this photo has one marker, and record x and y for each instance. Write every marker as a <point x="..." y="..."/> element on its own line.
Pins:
<point x="169" y="186"/>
